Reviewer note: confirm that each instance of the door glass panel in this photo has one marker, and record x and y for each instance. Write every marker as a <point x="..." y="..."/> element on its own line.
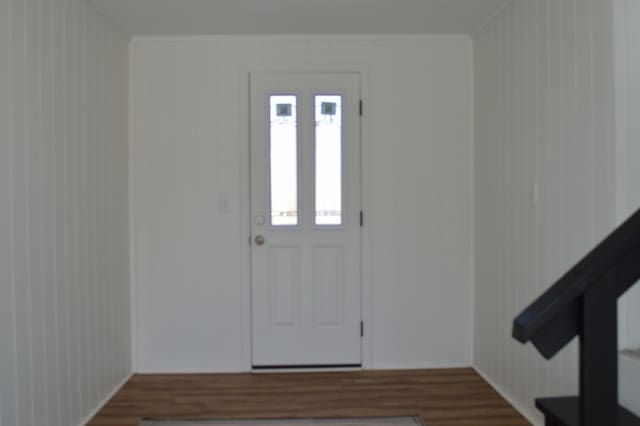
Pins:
<point x="328" y="160"/>
<point x="283" y="160"/>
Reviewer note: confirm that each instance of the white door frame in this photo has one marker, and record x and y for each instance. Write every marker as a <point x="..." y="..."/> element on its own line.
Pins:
<point x="245" y="196"/>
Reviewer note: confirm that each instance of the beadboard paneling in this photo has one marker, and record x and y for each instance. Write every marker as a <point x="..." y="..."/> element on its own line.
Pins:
<point x="64" y="291"/>
<point x="628" y="138"/>
<point x="7" y="353"/>
<point x="627" y="21"/>
<point x="544" y="118"/>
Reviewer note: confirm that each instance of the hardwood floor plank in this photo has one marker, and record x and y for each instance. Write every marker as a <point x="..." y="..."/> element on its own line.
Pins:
<point x="442" y="397"/>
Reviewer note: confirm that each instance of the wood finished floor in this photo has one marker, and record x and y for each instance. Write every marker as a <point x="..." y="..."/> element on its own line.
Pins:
<point x="441" y="397"/>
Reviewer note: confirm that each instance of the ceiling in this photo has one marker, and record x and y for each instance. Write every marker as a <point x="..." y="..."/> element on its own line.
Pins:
<point x="249" y="17"/>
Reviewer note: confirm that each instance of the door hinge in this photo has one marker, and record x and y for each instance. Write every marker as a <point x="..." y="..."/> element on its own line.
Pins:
<point x="361" y="107"/>
<point x="361" y="218"/>
<point x="361" y="328"/>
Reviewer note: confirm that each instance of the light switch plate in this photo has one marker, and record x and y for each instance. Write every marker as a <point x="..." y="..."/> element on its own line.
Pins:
<point x="224" y="204"/>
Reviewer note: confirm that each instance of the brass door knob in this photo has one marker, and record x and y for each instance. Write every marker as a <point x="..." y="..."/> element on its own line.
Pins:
<point x="259" y="240"/>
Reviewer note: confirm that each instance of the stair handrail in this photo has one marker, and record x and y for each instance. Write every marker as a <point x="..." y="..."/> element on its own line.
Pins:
<point x="583" y="302"/>
<point x="620" y="252"/>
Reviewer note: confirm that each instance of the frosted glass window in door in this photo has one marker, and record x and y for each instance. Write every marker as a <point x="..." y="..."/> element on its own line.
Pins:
<point x="328" y="160"/>
<point x="283" y="160"/>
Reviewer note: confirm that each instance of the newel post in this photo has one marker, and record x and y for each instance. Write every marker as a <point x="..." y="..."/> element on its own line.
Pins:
<point x="599" y="354"/>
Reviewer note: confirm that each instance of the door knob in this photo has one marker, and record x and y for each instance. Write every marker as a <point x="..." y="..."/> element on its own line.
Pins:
<point x="259" y="240"/>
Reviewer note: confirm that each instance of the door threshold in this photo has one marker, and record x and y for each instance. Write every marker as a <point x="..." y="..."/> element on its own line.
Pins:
<point x="305" y="368"/>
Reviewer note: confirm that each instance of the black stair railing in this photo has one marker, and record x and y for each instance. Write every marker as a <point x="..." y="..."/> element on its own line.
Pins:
<point x="583" y="303"/>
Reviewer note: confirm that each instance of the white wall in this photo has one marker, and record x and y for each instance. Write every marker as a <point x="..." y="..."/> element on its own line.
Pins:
<point x="628" y="137"/>
<point x="627" y="32"/>
<point x="64" y="292"/>
<point x="190" y="143"/>
<point x="544" y="112"/>
<point x="629" y="366"/>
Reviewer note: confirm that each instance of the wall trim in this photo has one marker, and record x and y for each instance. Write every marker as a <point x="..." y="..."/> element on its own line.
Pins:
<point x="133" y="270"/>
<point x="164" y="371"/>
<point x="526" y="412"/>
<point x="366" y="235"/>
<point x="362" y="68"/>
<point x="472" y="225"/>
<point x="302" y="38"/>
<point x="244" y="211"/>
<point x="418" y="366"/>
<point x="106" y="399"/>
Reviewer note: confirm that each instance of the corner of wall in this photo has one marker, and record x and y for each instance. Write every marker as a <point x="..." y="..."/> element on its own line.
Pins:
<point x="104" y="400"/>
<point x="499" y="11"/>
<point x="533" y="417"/>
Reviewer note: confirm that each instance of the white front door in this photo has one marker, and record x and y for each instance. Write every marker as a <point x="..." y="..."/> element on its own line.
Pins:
<point x="305" y="219"/>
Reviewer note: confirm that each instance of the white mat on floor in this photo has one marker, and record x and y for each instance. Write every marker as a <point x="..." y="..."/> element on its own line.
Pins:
<point x="363" y="421"/>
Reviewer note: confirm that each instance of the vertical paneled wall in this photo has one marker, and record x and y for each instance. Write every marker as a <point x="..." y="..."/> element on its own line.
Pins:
<point x="627" y="22"/>
<point x="544" y="174"/>
<point x="628" y="126"/>
<point x="6" y="308"/>
<point x="64" y="292"/>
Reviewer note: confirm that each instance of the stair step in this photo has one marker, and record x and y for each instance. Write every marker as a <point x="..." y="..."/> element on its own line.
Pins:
<point x="564" y="412"/>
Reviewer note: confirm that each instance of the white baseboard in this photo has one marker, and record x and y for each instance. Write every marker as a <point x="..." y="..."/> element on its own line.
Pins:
<point x="526" y="412"/>
<point x="416" y="366"/>
<point x="375" y="366"/>
<point x="105" y="400"/>
<point x="223" y="370"/>
<point x="304" y="370"/>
